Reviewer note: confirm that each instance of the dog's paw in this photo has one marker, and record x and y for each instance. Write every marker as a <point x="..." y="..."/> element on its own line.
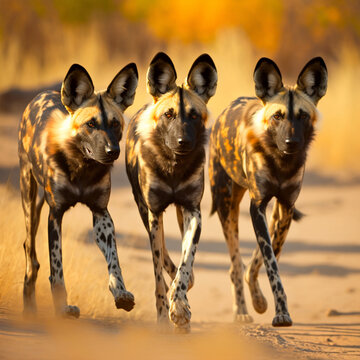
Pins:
<point x="125" y="300"/>
<point x="70" y="311"/>
<point x="243" y="318"/>
<point x="282" y="320"/>
<point x="180" y="314"/>
<point x="258" y="299"/>
<point x="259" y="302"/>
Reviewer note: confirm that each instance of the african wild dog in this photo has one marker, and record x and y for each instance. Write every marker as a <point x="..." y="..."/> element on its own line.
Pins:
<point x="68" y="142"/>
<point x="261" y="145"/>
<point x="165" y="159"/>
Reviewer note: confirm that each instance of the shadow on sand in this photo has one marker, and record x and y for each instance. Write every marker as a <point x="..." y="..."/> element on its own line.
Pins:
<point x="247" y="246"/>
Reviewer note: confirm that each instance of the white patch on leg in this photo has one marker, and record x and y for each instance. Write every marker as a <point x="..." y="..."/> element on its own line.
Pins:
<point x="179" y="312"/>
<point x="105" y="239"/>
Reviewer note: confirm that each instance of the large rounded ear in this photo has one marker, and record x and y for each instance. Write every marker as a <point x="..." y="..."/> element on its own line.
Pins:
<point x="268" y="80"/>
<point x="202" y="77"/>
<point x="313" y="79"/>
<point x="123" y="87"/>
<point x="76" y="88"/>
<point x="161" y="76"/>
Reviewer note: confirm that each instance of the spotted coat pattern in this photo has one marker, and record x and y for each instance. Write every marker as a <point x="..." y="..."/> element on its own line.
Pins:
<point x="260" y="145"/>
<point x="68" y="142"/>
<point x="165" y="159"/>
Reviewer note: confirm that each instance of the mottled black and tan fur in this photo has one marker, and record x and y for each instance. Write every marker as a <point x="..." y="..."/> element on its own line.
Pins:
<point x="68" y="142"/>
<point x="260" y="144"/>
<point x="165" y="159"/>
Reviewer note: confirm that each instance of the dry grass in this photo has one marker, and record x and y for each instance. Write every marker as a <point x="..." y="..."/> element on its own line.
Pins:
<point x="337" y="146"/>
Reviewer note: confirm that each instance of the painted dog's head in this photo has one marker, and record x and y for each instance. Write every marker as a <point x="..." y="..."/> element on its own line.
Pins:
<point x="179" y="114"/>
<point x="96" y="122"/>
<point x="289" y="113"/>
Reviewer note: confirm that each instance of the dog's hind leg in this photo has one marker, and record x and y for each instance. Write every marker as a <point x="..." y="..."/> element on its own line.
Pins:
<point x="226" y="197"/>
<point x="251" y="276"/>
<point x="229" y="217"/>
<point x="279" y="226"/>
<point x="32" y="211"/>
<point x="281" y="220"/>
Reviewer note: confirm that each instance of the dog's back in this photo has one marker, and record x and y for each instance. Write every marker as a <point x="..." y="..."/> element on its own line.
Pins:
<point x="228" y="141"/>
<point x="44" y="109"/>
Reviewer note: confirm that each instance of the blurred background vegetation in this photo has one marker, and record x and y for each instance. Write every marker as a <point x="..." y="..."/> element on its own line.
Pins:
<point x="40" y="39"/>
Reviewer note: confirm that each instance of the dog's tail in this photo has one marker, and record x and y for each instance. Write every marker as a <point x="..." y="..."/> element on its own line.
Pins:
<point x="297" y="215"/>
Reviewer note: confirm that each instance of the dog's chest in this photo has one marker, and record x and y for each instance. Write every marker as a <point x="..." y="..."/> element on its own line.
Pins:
<point x="159" y="193"/>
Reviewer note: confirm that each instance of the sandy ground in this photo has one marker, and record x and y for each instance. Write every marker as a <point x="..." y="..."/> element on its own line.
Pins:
<point x="320" y="269"/>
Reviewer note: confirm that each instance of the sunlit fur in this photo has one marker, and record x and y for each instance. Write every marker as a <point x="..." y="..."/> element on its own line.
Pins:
<point x="148" y="119"/>
<point x="68" y="142"/>
<point x="165" y="157"/>
<point x="262" y="117"/>
<point x="260" y="145"/>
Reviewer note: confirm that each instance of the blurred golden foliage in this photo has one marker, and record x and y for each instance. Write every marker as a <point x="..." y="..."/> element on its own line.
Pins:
<point x="40" y="39"/>
<point x="199" y="21"/>
<point x="277" y="28"/>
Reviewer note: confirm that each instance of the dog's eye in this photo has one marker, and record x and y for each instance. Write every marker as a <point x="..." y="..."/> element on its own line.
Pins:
<point x="169" y="114"/>
<point x="277" y="116"/>
<point x="304" y="116"/>
<point x="194" y="116"/>
<point x="91" y="124"/>
<point x="115" y="124"/>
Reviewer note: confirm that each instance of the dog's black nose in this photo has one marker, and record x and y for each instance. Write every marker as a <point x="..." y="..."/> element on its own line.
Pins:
<point x="292" y="143"/>
<point x="112" y="150"/>
<point x="184" y="143"/>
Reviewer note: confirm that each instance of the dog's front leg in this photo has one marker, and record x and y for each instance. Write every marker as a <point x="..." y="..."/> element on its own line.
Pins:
<point x="105" y="239"/>
<point x="56" y="267"/>
<point x="155" y="235"/>
<point x="258" y="217"/>
<point x="179" y="306"/>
